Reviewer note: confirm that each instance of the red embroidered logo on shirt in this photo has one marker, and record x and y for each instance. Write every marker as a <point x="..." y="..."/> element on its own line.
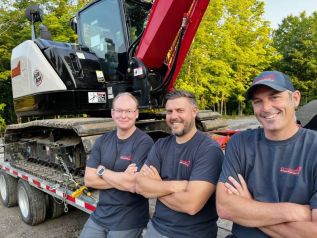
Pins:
<point x="185" y="162"/>
<point x="126" y="157"/>
<point x="291" y="171"/>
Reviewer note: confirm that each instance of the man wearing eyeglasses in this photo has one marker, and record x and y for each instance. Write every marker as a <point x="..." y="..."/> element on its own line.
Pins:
<point x="182" y="171"/>
<point x="115" y="158"/>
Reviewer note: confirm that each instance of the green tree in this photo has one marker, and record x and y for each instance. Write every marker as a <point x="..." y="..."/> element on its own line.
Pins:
<point x="232" y="45"/>
<point x="296" y="40"/>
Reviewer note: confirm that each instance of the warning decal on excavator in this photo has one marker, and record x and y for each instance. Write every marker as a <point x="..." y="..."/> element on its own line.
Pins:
<point x="138" y="71"/>
<point x="100" y="77"/>
<point x="38" y="77"/>
<point x="97" y="97"/>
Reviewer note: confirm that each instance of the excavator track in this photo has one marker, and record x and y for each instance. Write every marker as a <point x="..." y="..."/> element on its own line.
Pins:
<point x="50" y="174"/>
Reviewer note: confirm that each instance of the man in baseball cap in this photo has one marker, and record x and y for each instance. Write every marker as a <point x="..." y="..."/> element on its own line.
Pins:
<point x="273" y="79"/>
<point x="266" y="185"/>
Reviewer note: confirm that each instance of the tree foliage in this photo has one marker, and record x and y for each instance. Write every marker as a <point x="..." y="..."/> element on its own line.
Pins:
<point x="296" y="40"/>
<point x="232" y="45"/>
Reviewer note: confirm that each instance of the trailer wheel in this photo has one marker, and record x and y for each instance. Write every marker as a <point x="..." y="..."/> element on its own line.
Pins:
<point x="8" y="189"/>
<point x="32" y="203"/>
<point x="55" y="208"/>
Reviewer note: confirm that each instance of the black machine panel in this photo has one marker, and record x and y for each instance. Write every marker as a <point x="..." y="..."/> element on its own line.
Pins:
<point x="77" y="67"/>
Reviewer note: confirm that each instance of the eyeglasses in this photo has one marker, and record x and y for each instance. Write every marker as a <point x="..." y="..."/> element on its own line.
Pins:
<point x="128" y="112"/>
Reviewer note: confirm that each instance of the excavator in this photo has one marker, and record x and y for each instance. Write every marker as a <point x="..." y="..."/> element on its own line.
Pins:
<point x="63" y="92"/>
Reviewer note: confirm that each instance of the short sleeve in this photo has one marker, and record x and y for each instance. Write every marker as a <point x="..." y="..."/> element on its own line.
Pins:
<point x="94" y="157"/>
<point x="154" y="158"/>
<point x="231" y="165"/>
<point x="141" y="150"/>
<point x="208" y="162"/>
<point x="313" y="200"/>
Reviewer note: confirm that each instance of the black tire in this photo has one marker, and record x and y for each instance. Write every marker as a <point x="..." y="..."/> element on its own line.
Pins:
<point x="55" y="208"/>
<point x="8" y="190"/>
<point x="32" y="203"/>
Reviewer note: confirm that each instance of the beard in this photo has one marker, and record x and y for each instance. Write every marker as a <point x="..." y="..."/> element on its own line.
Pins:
<point x="187" y="128"/>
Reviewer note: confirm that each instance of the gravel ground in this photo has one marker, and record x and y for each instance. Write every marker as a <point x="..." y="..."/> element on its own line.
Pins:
<point x="67" y="226"/>
<point x="70" y="225"/>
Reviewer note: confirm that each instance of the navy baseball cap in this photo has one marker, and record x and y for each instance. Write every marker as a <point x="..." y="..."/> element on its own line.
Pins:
<point x="273" y="79"/>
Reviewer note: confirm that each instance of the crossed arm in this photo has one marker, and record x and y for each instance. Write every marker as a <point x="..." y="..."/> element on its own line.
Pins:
<point x="234" y="202"/>
<point x="124" y="181"/>
<point x="182" y="196"/>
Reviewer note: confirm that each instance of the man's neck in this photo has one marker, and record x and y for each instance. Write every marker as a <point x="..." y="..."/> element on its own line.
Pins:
<point x="183" y="139"/>
<point x="124" y="134"/>
<point x="282" y="135"/>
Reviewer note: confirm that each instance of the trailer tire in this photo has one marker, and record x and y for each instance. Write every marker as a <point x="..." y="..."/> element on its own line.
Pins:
<point x="8" y="190"/>
<point x="32" y="203"/>
<point x="55" y="208"/>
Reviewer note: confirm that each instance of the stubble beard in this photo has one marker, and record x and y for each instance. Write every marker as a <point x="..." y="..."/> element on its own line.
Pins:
<point x="187" y="128"/>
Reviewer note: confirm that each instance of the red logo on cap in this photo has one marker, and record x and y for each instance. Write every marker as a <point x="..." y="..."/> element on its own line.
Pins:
<point x="270" y="77"/>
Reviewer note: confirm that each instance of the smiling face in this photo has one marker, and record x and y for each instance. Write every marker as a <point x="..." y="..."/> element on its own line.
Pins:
<point x="180" y="117"/>
<point x="276" y="111"/>
<point x="125" y="113"/>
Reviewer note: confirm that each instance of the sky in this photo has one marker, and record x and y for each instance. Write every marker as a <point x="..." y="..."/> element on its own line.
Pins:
<point x="277" y="10"/>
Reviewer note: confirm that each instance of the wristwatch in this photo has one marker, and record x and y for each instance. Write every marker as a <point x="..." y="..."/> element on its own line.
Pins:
<point x="101" y="170"/>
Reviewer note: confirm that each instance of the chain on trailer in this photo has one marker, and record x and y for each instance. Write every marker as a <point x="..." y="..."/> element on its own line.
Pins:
<point x="61" y="176"/>
<point x="69" y="178"/>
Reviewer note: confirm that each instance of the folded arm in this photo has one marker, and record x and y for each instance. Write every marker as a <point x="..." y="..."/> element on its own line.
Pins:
<point x="192" y="199"/>
<point x="250" y="213"/>
<point x="293" y="229"/>
<point x="182" y="196"/>
<point x="150" y="185"/>
<point x="124" y="181"/>
<point x="238" y="206"/>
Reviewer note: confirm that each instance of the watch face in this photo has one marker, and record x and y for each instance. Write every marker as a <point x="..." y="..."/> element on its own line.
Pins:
<point x="101" y="171"/>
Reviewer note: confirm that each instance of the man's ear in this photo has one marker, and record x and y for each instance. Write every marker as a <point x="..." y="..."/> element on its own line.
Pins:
<point x="296" y="98"/>
<point x="195" y="110"/>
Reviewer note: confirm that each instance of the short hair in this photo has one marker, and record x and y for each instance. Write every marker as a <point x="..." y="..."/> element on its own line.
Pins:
<point x="181" y="94"/>
<point x="125" y="94"/>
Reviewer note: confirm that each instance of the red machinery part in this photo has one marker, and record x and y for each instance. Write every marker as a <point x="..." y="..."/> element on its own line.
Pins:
<point x="162" y="29"/>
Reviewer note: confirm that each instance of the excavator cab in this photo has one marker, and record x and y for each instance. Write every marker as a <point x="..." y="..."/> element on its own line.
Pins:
<point x="101" y="27"/>
<point x="52" y="78"/>
<point x="112" y="29"/>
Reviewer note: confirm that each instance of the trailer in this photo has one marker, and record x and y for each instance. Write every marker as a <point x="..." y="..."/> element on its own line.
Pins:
<point x="37" y="198"/>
